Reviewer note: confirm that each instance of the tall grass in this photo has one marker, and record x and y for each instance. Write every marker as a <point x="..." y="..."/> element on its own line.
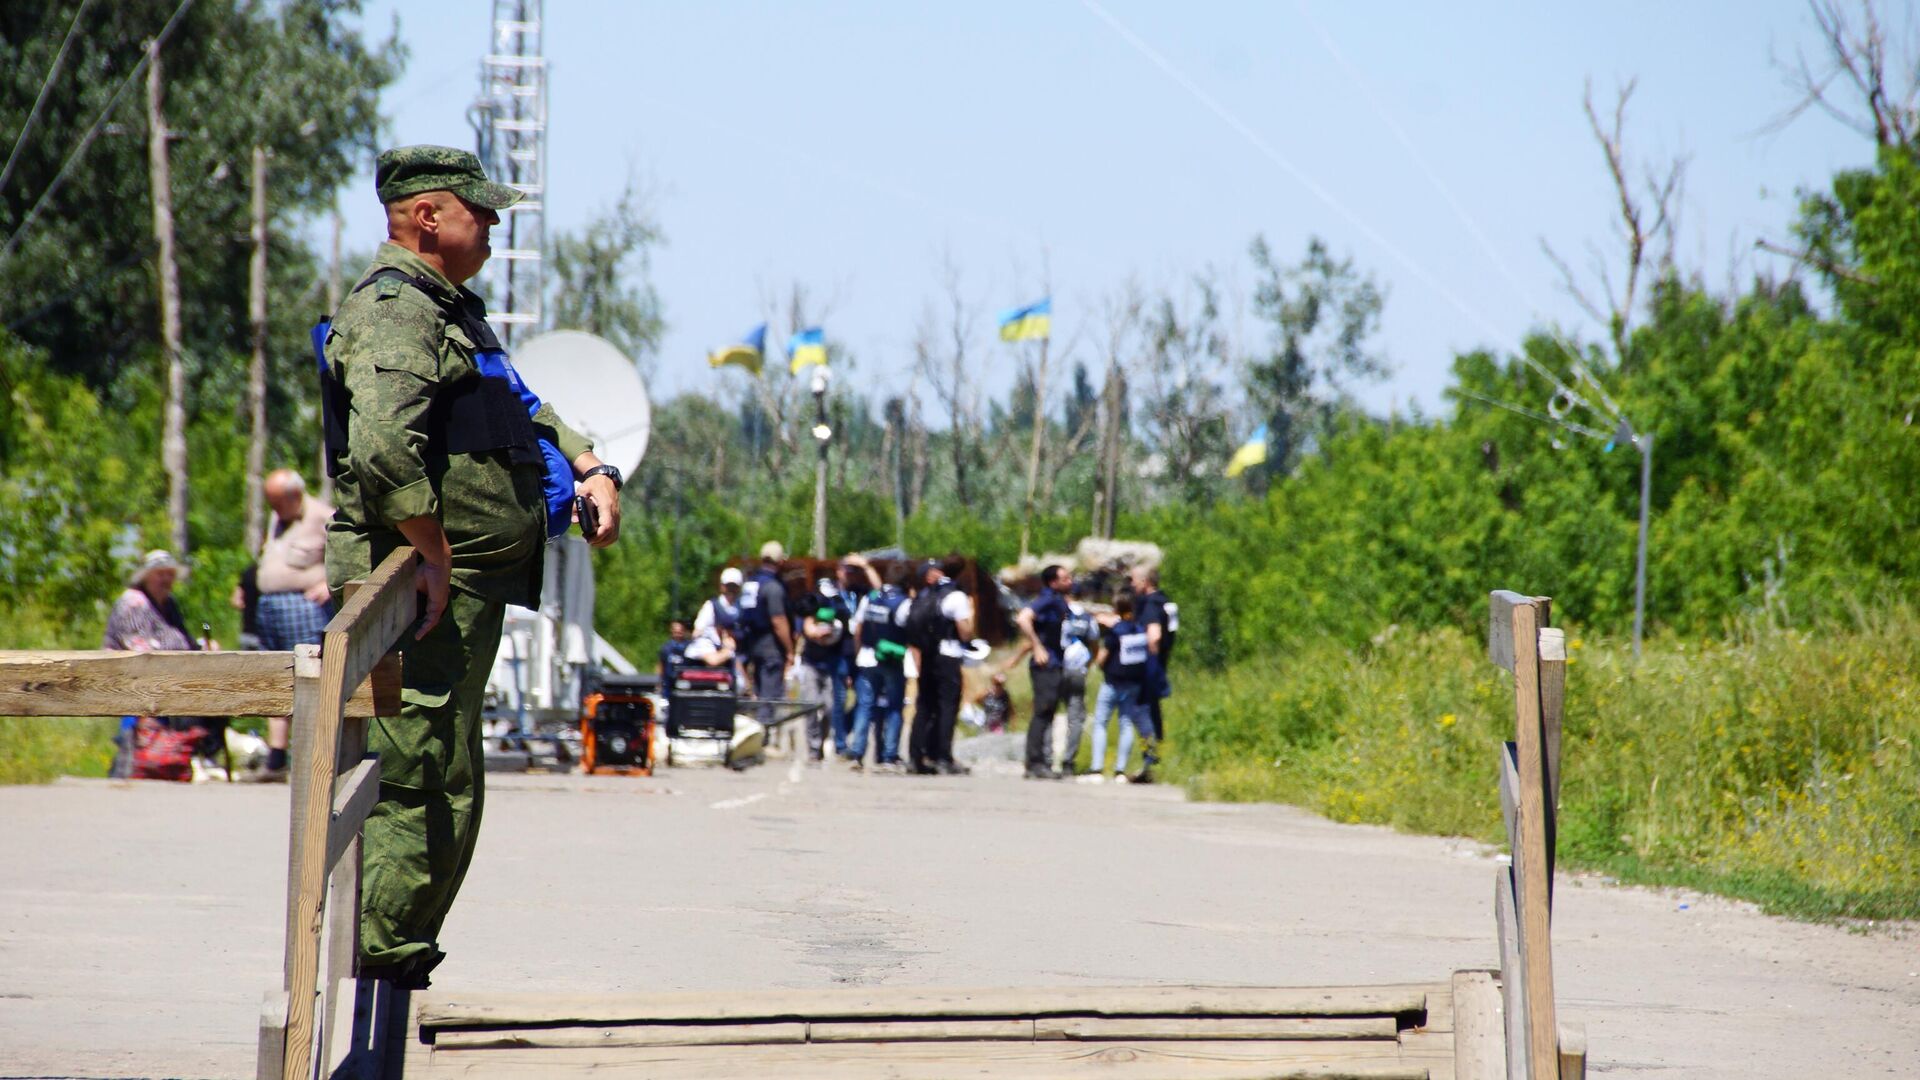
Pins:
<point x="1775" y="765"/>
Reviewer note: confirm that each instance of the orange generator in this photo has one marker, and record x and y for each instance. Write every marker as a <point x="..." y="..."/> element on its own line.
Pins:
<point x="616" y="727"/>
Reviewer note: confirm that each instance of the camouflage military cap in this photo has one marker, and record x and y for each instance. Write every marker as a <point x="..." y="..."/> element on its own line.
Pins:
<point x="410" y="170"/>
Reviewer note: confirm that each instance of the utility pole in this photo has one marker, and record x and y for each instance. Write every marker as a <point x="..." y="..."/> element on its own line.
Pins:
<point x="173" y="440"/>
<point x="1644" y="441"/>
<point x="257" y="363"/>
<point x="822" y="435"/>
<point x="1110" y="464"/>
<point x="333" y="307"/>
<point x="1033" y="453"/>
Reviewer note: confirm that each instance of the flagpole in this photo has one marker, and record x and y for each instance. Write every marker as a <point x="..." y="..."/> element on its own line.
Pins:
<point x="1033" y="454"/>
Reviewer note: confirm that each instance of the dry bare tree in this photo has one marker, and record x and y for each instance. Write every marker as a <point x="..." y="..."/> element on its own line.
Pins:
<point x="1648" y="203"/>
<point x="1882" y="82"/>
<point x="941" y="347"/>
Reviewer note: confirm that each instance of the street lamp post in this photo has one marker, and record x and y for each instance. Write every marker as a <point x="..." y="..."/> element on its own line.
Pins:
<point x="822" y="435"/>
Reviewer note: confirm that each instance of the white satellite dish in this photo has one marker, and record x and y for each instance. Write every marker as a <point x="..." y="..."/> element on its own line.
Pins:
<point x="594" y="388"/>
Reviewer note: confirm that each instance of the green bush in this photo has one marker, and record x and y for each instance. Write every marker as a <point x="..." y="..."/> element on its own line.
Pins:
<point x="1775" y="765"/>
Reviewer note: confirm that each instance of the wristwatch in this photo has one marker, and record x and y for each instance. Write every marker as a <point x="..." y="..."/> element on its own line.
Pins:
<point x="607" y="471"/>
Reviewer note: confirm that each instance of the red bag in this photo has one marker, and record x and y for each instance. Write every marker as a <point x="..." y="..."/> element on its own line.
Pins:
<point x="161" y="753"/>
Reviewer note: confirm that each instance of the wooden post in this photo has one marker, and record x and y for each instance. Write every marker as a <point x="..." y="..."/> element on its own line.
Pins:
<point x="173" y="441"/>
<point x="1038" y="445"/>
<point x="257" y="362"/>
<point x="310" y="871"/>
<point x="1530" y="849"/>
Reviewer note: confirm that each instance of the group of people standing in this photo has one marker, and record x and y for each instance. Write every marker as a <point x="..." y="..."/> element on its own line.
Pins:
<point x="1130" y="644"/>
<point x="847" y="646"/>
<point x="851" y="643"/>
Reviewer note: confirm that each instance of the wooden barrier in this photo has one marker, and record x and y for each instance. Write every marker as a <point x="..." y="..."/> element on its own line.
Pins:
<point x="1520" y="641"/>
<point x="335" y="785"/>
<point x="104" y="683"/>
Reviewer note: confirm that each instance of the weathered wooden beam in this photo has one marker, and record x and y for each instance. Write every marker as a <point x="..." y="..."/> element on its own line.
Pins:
<point x="438" y="1010"/>
<point x="372" y="619"/>
<point x="1573" y="1052"/>
<point x="359" y="790"/>
<point x="1532" y="889"/>
<point x="1162" y="1028"/>
<point x="629" y="1035"/>
<point x="1501" y="603"/>
<point x="102" y="683"/>
<point x="1513" y="966"/>
<point x="273" y="1035"/>
<point x="1479" y="1043"/>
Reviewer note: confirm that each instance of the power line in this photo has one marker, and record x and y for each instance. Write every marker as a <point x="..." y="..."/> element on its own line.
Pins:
<point x="94" y="131"/>
<point x="46" y="84"/>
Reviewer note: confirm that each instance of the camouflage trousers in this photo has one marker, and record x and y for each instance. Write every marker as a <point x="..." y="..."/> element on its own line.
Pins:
<point x="420" y="836"/>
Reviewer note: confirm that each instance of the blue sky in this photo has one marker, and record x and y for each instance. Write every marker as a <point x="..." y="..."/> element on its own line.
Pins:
<point x="852" y="146"/>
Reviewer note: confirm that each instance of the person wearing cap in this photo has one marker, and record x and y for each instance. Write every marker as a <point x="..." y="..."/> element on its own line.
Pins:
<point x="723" y="609"/>
<point x="147" y="618"/>
<point x="430" y="443"/>
<point x="766" y="630"/>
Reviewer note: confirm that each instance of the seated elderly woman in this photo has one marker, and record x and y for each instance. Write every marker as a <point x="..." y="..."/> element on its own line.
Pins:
<point x="147" y="618"/>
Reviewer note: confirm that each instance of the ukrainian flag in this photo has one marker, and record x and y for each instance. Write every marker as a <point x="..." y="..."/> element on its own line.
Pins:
<point x="1031" y="323"/>
<point x="1252" y="452"/>
<point x="749" y="353"/>
<point x="807" y="348"/>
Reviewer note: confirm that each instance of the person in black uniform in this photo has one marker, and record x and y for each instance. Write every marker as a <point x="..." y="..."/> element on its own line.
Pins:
<point x="940" y="623"/>
<point x="1161" y="617"/>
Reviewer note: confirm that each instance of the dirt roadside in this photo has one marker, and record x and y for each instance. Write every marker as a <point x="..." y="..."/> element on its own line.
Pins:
<point x="140" y="924"/>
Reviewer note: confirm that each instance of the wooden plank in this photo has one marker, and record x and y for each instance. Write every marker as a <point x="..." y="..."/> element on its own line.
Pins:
<point x="1433" y="1049"/>
<point x="1501" y="603"/>
<point x="1242" y="1060"/>
<point x="273" y="1035"/>
<point x="303" y="955"/>
<point x="1479" y="1037"/>
<point x="300" y="728"/>
<point x="369" y="623"/>
<point x="1553" y="697"/>
<point x="448" y="1009"/>
<point x="1439" y="1009"/>
<point x="629" y="1035"/>
<point x="358" y="791"/>
<point x="343" y="891"/>
<point x="1162" y="1028"/>
<point x="1536" y="942"/>
<point x="1573" y="1052"/>
<point x="893" y="1031"/>
<point x="1512" y="977"/>
<point x="178" y="683"/>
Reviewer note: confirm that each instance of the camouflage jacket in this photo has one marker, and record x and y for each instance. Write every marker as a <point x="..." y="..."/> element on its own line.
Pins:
<point x="394" y="349"/>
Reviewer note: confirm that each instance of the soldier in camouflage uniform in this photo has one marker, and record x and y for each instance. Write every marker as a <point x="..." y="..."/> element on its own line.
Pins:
<point x="400" y="352"/>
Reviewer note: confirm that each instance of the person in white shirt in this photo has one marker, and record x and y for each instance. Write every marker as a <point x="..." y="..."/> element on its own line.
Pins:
<point x="722" y="610"/>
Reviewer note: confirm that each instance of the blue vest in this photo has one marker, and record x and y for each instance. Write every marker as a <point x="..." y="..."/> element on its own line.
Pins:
<point x="883" y="607"/>
<point x="494" y="412"/>
<point x="726" y="615"/>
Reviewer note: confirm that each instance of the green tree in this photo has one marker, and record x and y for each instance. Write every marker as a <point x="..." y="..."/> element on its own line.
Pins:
<point x="600" y="282"/>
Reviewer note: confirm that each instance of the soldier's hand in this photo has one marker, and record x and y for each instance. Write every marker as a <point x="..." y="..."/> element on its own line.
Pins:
<point x="432" y="579"/>
<point x="606" y="499"/>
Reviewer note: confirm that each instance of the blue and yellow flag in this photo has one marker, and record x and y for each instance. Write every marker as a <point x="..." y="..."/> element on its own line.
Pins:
<point x="1252" y="452"/>
<point x="1031" y="323"/>
<point x="749" y="353"/>
<point x="807" y="348"/>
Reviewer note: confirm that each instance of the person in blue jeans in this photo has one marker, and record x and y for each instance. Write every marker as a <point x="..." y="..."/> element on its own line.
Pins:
<point x="1122" y="660"/>
<point x="880" y="670"/>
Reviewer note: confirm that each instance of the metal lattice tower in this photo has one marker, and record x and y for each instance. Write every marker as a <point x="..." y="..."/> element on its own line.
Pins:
<point x="510" y="124"/>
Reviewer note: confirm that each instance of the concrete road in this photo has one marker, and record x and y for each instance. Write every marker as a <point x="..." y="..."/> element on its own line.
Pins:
<point x="139" y="924"/>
